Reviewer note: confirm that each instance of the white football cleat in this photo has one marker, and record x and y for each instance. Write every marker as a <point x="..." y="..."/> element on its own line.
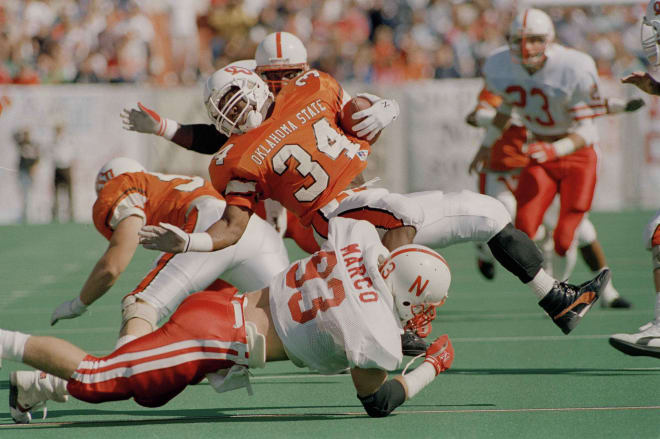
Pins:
<point x="644" y="343"/>
<point x="30" y="389"/>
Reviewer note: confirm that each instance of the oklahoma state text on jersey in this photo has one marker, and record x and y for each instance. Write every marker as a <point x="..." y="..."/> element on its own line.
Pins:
<point x="152" y="196"/>
<point x="298" y="156"/>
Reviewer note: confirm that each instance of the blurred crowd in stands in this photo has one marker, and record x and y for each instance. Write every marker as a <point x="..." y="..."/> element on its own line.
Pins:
<point x="173" y="42"/>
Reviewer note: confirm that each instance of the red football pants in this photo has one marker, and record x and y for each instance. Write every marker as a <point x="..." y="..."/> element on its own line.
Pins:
<point x="574" y="177"/>
<point x="205" y="334"/>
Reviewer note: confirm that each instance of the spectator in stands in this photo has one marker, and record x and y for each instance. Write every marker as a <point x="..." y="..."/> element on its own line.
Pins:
<point x="28" y="157"/>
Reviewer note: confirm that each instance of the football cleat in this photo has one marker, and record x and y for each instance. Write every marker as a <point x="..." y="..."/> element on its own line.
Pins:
<point x="619" y="303"/>
<point x="644" y="343"/>
<point x="566" y="304"/>
<point x="30" y="389"/>
<point x="412" y="344"/>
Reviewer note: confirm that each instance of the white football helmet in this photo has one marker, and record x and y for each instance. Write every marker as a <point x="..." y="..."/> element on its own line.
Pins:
<point x="419" y="279"/>
<point x="226" y="89"/>
<point x="281" y="56"/>
<point x="115" y="167"/>
<point x="530" y="23"/>
<point x="650" y="33"/>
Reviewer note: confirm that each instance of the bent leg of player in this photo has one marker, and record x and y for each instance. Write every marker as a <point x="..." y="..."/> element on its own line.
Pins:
<point x="207" y="333"/>
<point x="257" y="257"/>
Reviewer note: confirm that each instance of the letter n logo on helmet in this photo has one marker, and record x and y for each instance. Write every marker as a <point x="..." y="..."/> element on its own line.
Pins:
<point x="417" y="284"/>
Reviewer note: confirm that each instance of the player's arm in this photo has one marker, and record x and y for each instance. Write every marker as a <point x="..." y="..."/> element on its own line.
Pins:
<point x="380" y="396"/>
<point x="107" y="270"/>
<point x="202" y="138"/>
<point x="225" y="232"/>
<point x="381" y="113"/>
<point x="643" y="81"/>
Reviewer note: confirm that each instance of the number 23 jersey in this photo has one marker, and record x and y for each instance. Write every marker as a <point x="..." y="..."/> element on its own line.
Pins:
<point x="552" y="100"/>
<point x="298" y="156"/>
<point x="332" y="310"/>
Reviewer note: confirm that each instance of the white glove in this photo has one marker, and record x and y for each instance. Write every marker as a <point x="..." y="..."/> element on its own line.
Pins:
<point x="146" y="120"/>
<point x="68" y="310"/>
<point x="164" y="237"/>
<point x="381" y="113"/>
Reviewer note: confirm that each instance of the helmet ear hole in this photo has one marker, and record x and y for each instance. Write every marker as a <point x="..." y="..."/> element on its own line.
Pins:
<point x="406" y="303"/>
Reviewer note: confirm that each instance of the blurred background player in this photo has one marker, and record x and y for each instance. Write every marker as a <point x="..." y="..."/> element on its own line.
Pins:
<point x="28" y="159"/>
<point x="365" y="297"/>
<point x="130" y="197"/>
<point x="646" y="342"/>
<point x="528" y="75"/>
<point x="498" y="169"/>
<point x="63" y="153"/>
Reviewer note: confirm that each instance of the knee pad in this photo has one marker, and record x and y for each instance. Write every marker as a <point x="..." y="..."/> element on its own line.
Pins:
<point x="516" y="252"/>
<point x="133" y="308"/>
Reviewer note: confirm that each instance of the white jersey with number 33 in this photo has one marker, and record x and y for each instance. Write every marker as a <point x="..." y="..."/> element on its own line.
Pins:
<point x="553" y="99"/>
<point x="332" y="310"/>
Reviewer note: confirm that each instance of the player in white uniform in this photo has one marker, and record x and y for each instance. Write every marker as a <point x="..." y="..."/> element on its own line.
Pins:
<point x="646" y="342"/>
<point x="128" y="197"/>
<point x="555" y="90"/>
<point x="343" y="307"/>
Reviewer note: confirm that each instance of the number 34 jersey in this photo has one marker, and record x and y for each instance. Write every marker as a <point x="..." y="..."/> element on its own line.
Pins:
<point x="154" y="197"/>
<point x="298" y="156"/>
<point x="552" y="100"/>
<point x="333" y="309"/>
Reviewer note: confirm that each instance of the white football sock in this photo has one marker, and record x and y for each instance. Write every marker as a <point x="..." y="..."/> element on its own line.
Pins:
<point x="12" y="344"/>
<point x="657" y="307"/>
<point x="541" y="284"/>
<point x="609" y="292"/>
<point x="562" y="266"/>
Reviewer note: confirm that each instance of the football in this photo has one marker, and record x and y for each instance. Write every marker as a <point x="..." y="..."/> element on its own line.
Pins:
<point x="346" y="121"/>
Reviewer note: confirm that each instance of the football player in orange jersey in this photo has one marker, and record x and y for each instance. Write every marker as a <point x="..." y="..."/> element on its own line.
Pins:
<point x="279" y="58"/>
<point x="498" y="168"/>
<point x="130" y="197"/>
<point x="293" y="150"/>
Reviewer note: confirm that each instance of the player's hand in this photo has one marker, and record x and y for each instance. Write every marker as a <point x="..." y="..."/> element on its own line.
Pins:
<point x="643" y="81"/>
<point x="381" y="113"/>
<point x="480" y="160"/>
<point x="634" y="105"/>
<point x="541" y="152"/>
<point x="68" y="310"/>
<point x="143" y="120"/>
<point x="164" y="237"/>
<point x="440" y="354"/>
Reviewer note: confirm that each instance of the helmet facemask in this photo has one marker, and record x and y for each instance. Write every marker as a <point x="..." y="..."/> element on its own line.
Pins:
<point x="238" y="107"/>
<point x="278" y="76"/>
<point x="521" y="53"/>
<point x="530" y="34"/>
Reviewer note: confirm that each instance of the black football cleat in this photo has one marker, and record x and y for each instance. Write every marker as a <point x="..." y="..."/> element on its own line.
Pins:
<point x="412" y="344"/>
<point x="566" y="303"/>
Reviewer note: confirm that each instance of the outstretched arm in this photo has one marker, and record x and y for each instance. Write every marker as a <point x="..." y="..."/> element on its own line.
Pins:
<point x="202" y="138"/>
<point x="380" y="396"/>
<point x="643" y="81"/>
<point x="225" y="232"/>
<point x="107" y="270"/>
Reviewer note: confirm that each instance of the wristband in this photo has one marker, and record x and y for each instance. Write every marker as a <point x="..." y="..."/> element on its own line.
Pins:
<point x="615" y="105"/>
<point x="419" y="378"/>
<point x="199" y="242"/>
<point x="168" y="128"/>
<point x="564" y="146"/>
<point x="78" y="306"/>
